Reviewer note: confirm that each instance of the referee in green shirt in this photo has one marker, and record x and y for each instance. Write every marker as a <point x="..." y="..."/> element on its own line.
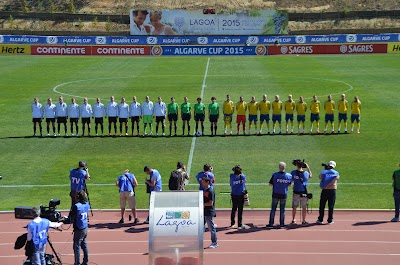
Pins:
<point x="213" y="114"/>
<point x="199" y="115"/>
<point x="186" y="115"/>
<point x="173" y="109"/>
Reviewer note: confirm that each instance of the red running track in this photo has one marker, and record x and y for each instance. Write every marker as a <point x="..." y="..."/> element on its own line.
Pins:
<point x="356" y="237"/>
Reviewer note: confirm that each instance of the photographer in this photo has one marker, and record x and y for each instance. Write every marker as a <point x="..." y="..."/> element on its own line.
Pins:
<point x="154" y="183"/>
<point x="300" y="179"/>
<point x="77" y="177"/>
<point x="37" y="237"/>
<point x="79" y="218"/>
<point x="126" y="184"/>
<point x="328" y="185"/>
<point x="238" y="186"/>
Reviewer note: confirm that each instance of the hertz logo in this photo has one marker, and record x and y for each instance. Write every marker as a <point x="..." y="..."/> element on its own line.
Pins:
<point x="396" y="48"/>
<point x="393" y="47"/>
<point x="15" y="49"/>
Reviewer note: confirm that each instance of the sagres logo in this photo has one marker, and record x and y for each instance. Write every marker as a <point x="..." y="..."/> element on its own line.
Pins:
<point x="300" y="39"/>
<point x="176" y="219"/>
<point x="253" y="40"/>
<point x="284" y="49"/>
<point x="1" y="38"/>
<point x="343" y="48"/>
<point x="157" y="50"/>
<point x="202" y="40"/>
<point x="101" y="40"/>
<point x="351" y="38"/>
<point x="261" y="50"/>
<point x="152" y="40"/>
<point x="52" y="40"/>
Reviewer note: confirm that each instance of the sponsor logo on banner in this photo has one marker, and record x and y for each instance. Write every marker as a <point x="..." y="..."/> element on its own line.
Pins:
<point x="121" y="50"/>
<point x="343" y="48"/>
<point x="202" y="40"/>
<point x="365" y="48"/>
<point x="52" y="40"/>
<point x="151" y="40"/>
<point x="15" y="49"/>
<point x="176" y="220"/>
<point x="61" y="50"/>
<point x="351" y="38"/>
<point x="284" y="49"/>
<point x="2" y="38"/>
<point x="394" y="48"/>
<point x="300" y="39"/>
<point x="328" y="49"/>
<point x="261" y="50"/>
<point x="157" y="50"/>
<point x="101" y="40"/>
<point x="253" y="40"/>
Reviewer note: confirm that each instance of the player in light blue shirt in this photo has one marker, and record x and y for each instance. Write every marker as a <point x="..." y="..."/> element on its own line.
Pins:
<point x="86" y="113"/>
<point x="37" y="115"/>
<point x="135" y="111"/>
<point x="112" y="113"/>
<point x="50" y="112"/>
<point x="61" y="113"/>
<point x="73" y="114"/>
<point x="123" y="110"/>
<point x="98" y="113"/>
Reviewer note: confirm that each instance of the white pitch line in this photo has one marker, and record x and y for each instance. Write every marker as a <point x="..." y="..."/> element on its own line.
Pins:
<point x="189" y="165"/>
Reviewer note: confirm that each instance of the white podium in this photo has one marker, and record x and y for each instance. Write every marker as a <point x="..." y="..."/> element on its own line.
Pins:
<point x="176" y="228"/>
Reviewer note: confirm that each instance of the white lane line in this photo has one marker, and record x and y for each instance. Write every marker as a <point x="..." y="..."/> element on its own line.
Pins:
<point x="189" y="164"/>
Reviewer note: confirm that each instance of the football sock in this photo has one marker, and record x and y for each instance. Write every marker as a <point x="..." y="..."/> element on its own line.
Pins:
<point x="202" y="129"/>
<point x="215" y="130"/>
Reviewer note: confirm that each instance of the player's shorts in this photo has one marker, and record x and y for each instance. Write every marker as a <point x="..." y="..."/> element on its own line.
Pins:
<point x="276" y="117"/>
<point x="289" y="117"/>
<point x="50" y="119"/>
<point x="240" y="119"/>
<point x="214" y="118"/>
<point x="62" y="119"/>
<point x="228" y="117"/>
<point x="355" y="117"/>
<point x="135" y="118"/>
<point x="98" y="120"/>
<point x="298" y="199"/>
<point x="252" y="118"/>
<point x="160" y="118"/>
<point x="301" y="118"/>
<point x="314" y="117"/>
<point x="186" y="116"/>
<point x="36" y="119"/>
<point x="122" y="120"/>
<point x="199" y="117"/>
<point x="342" y="116"/>
<point x="85" y="120"/>
<point x="147" y="118"/>
<point x="112" y="119"/>
<point x="173" y="117"/>
<point x="329" y="118"/>
<point x="71" y="120"/>
<point x="264" y="117"/>
<point x="127" y="196"/>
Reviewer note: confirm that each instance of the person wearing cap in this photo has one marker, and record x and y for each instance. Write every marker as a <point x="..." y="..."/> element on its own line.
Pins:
<point x="37" y="235"/>
<point x="396" y="195"/>
<point x="78" y="176"/>
<point x="328" y="184"/>
<point x="238" y="186"/>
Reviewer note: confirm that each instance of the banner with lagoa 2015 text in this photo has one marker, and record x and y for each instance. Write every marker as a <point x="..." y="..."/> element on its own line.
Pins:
<point x="182" y="22"/>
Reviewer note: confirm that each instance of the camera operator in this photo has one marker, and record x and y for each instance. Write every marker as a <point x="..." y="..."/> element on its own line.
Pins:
<point x="77" y="177"/>
<point x="37" y="237"/>
<point x="238" y="186"/>
<point x="328" y="184"/>
<point x="300" y="180"/>
<point x="79" y="218"/>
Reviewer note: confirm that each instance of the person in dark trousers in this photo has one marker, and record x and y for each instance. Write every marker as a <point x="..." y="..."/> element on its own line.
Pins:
<point x="396" y="195"/>
<point x="328" y="184"/>
<point x="78" y="176"/>
<point x="209" y="210"/>
<point x="238" y="186"/>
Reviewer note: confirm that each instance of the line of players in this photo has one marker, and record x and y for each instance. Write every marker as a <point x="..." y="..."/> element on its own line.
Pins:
<point x="146" y="111"/>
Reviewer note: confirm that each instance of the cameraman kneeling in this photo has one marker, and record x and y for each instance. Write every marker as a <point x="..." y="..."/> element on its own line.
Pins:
<point x="300" y="179"/>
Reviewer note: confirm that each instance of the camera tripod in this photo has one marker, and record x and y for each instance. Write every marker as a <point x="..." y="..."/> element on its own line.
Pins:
<point x="54" y="251"/>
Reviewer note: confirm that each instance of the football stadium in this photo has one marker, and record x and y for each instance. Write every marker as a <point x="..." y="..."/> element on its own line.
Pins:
<point x="229" y="90"/>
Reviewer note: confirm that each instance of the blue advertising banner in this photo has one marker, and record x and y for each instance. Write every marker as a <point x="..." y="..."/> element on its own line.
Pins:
<point x="198" y="40"/>
<point x="208" y="50"/>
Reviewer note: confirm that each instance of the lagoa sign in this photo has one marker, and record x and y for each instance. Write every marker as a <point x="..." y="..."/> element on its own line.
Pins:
<point x="176" y="220"/>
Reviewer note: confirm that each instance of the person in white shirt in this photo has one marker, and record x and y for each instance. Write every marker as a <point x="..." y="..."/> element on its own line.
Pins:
<point x="73" y="114"/>
<point x="135" y="111"/>
<point x="148" y="112"/>
<point x="99" y="112"/>
<point x="50" y="112"/>
<point x="137" y="26"/>
<point x="37" y="115"/>
<point x="86" y="113"/>
<point x="123" y="110"/>
<point x="160" y="111"/>
<point x="61" y="113"/>
<point x="112" y="113"/>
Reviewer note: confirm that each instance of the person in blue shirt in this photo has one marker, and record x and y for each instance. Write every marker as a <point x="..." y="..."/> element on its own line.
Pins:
<point x="300" y="180"/>
<point x="79" y="218"/>
<point x="155" y="182"/>
<point x="207" y="172"/>
<point x="37" y="235"/>
<point x="328" y="184"/>
<point x="209" y="210"/>
<point x="280" y="182"/>
<point x="78" y="176"/>
<point x="238" y="186"/>
<point x="126" y="184"/>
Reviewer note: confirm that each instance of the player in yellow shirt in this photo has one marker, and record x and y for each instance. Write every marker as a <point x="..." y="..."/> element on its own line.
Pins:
<point x="329" y="108"/>
<point x="343" y="106"/>
<point x="277" y="114"/>
<point x="253" y="113"/>
<point x="356" y="113"/>
<point x="264" y="106"/>
<point x="301" y="108"/>
<point x="241" y="108"/>
<point x="228" y="109"/>
<point x="315" y="107"/>
<point x="290" y="106"/>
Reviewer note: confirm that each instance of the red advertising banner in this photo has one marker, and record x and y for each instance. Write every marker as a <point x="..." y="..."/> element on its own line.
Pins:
<point x="60" y="50"/>
<point x="91" y="50"/>
<point x="327" y="49"/>
<point x="121" y="50"/>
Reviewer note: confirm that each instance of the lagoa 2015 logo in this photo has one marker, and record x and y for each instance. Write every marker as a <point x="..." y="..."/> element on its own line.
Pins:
<point x="253" y="40"/>
<point x="52" y="40"/>
<point x="202" y="40"/>
<point x="2" y="38"/>
<point x="152" y="40"/>
<point x="176" y="219"/>
<point x="101" y="40"/>
<point x="351" y="38"/>
<point x="300" y="39"/>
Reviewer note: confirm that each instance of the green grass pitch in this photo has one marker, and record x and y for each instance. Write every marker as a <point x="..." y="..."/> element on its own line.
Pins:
<point x="365" y="161"/>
